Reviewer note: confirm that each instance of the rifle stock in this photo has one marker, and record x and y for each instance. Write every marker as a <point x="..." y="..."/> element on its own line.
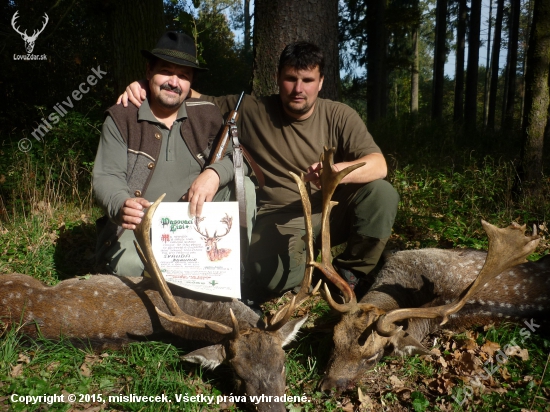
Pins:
<point x="231" y="121"/>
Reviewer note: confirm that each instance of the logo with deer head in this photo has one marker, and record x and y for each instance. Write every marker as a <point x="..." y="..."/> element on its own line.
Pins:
<point x="29" y="40"/>
<point x="211" y="242"/>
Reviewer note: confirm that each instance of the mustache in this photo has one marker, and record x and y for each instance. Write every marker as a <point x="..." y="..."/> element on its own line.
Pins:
<point x="166" y="86"/>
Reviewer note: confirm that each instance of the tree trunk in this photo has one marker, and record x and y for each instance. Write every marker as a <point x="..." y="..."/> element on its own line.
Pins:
<point x="135" y="26"/>
<point x="459" y="72"/>
<point x="246" y="18"/>
<point x="524" y="63"/>
<point x="377" y="41"/>
<point x="488" y="67"/>
<point x="414" y="73"/>
<point x="512" y="63"/>
<point x="494" y="66"/>
<point x="280" y="22"/>
<point x="440" y="54"/>
<point x="536" y="97"/>
<point x="472" y="72"/>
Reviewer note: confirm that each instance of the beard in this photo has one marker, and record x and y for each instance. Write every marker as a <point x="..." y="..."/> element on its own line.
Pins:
<point x="170" y="101"/>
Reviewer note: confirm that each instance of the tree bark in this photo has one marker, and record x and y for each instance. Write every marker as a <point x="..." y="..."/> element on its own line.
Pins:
<point x="280" y="22"/>
<point x="536" y="98"/>
<point x="247" y="19"/>
<point x="512" y="63"/>
<point x="459" y="72"/>
<point x="135" y="26"/>
<point x="472" y="72"/>
<point x="440" y="54"/>
<point x="414" y="73"/>
<point x="488" y="68"/>
<point x="377" y="41"/>
<point x="494" y="66"/>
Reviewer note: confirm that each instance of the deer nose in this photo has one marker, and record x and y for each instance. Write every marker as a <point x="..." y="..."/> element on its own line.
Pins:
<point x="332" y="386"/>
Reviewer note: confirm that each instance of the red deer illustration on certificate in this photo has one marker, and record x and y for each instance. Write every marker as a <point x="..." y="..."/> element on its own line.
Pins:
<point x="200" y="253"/>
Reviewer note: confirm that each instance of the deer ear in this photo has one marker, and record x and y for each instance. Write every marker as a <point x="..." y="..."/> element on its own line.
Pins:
<point x="209" y="357"/>
<point x="405" y="345"/>
<point x="288" y="332"/>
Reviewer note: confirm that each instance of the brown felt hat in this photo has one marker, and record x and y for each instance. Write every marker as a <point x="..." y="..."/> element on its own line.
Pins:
<point x="177" y="48"/>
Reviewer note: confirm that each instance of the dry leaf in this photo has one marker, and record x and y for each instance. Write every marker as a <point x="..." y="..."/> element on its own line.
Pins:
<point x="468" y="344"/>
<point x="23" y="359"/>
<point x="365" y="401"/>
<point x="490" y="347"/>
<point x="348" y="407"/>
<point x="53" y="366"/>
<point x="17" y="370"/>
<point x="85" y="370"/>
<point x="523" y="354"/>
<point x="504" y="373"/>
<point x="396" y="382"/>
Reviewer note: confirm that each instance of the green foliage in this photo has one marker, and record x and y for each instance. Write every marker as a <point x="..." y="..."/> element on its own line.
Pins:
<point x="229" y="70"/>
<point x="419" y="401"/>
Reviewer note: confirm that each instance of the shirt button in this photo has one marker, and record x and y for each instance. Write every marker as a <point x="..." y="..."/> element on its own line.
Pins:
<point x="137" y="193"/>
<point x="157" y="136"/>
<point x="151" y="165"/>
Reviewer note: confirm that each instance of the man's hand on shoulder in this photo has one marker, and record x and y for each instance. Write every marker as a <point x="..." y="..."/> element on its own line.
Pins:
<point x="136" y="93"/>
<point x="194" y="93"/>
<point x="202" y="190"/>
<point x="132" y="212"/>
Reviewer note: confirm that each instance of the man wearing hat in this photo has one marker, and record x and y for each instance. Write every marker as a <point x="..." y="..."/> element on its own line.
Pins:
<point x="159" y="148"/>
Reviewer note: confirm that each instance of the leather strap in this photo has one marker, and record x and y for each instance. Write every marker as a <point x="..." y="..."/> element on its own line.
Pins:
<point x="238" y="163"/>
<point x="255" y="168"/>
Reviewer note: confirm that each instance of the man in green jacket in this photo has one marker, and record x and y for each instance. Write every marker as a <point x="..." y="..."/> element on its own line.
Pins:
<point x="287" y="132"/>
<point x="159" y="148"/>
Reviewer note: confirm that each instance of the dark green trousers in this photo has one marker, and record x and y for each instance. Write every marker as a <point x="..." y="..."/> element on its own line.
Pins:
<point x="363" y="218"/>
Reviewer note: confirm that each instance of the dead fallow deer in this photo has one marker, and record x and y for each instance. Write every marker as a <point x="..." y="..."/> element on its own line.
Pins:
<point x="211" y="242"/>
<point x="108" y="311"/>
<point x="419" y="286"/>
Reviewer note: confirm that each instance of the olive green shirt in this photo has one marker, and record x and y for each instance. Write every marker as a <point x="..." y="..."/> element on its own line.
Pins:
<point x="279" y="143"/>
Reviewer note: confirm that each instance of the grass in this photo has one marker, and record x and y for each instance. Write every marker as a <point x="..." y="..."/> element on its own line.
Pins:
<point x="47" y="231"/>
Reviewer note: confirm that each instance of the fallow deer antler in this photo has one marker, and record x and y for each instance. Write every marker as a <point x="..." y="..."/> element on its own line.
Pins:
<point x="145" y="252"/>
<point x="508" y="247"/>
<point x="283" y="315"/>
<point x="329" y="182"/>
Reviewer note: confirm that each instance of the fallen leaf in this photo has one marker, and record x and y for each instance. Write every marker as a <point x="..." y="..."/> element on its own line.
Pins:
<point x="505" y="374"/>
<point x="23" y="358"/>
<point x="365" y="401"/>
<point x="396" y="382"/>
<point x="17" y="370"/>
<point x="85" y="370"/>
<point x="490" y="347"/>
<point x="523" y="354"/>
<point x="53" y="366"/>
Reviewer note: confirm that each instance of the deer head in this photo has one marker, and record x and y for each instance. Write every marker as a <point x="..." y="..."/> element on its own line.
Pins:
<point x="243" y="347"/>
<point x="211" y="242"/>
<point x="29" y="40"/>
<point x="367" y="329"/>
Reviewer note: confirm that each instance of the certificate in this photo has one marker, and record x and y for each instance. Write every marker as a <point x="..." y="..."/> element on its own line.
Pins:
<point x="199" y="253"/>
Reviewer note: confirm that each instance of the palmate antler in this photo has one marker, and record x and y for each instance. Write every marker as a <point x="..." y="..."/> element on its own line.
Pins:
<point x="508" y="247"/>
<point x="145" y="251"/>
<point x="329" y="181"/>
